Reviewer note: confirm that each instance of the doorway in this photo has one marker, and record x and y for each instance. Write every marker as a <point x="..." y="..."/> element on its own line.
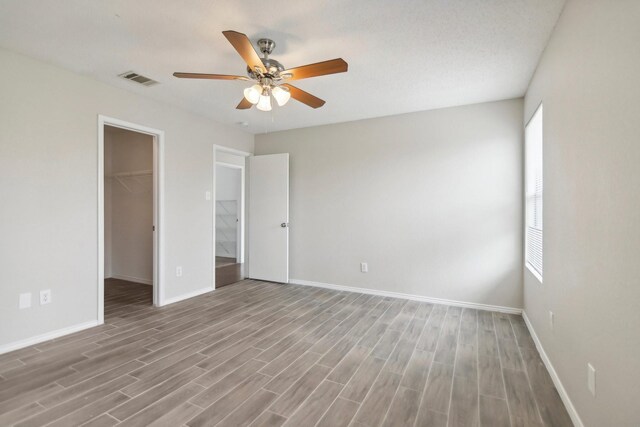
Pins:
<point x="229" y="215"/>
<point x="228" y="195"/>
<point x="129" y="214"/>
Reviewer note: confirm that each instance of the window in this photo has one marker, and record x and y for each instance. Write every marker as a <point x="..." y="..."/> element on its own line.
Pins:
<point x="533" y="194"/>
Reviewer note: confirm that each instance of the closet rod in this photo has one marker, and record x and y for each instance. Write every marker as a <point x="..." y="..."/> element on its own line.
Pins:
<point x="133" y="173"/>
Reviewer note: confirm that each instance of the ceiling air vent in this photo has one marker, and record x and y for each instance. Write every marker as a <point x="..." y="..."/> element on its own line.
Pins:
<point x="135" y="77"/>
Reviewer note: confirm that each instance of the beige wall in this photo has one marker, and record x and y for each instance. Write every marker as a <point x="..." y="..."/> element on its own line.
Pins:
<point x="431" y="200"/>
<point x="48" y="192"/>
<point x="588" y="82"/>
<point x="128" y="218"/>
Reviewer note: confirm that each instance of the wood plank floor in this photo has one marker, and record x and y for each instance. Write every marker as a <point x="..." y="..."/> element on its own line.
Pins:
<point x="221" y="261"/>
<point x="228" y="271"/>
<point x="265" y="354"/>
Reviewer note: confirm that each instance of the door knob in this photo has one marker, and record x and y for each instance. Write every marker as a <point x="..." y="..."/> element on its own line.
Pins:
<point x="284" y="225"/>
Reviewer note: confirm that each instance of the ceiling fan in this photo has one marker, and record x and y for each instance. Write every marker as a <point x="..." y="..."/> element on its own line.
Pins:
<point x="270" y="75"/>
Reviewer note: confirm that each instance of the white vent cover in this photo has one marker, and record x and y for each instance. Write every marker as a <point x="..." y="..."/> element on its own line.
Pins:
<point x="135" y="77"/>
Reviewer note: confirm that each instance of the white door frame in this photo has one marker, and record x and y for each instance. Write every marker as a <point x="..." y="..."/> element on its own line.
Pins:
<point x="243" y="196"/>
<point x="158" y="207"/>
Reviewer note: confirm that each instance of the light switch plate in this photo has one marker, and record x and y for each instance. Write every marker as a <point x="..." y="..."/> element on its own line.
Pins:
<point x="25" y="300"/>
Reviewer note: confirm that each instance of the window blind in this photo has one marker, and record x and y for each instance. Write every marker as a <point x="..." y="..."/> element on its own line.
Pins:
<point x="533" y="192"/>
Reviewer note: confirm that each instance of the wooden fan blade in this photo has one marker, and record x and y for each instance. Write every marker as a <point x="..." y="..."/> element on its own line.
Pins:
<point x="244" y="104"/>
<point x="332" y="66"/>
<point x="304" y="97"/>
<point x="209" y="76"/>
<point x="242" y="44"/>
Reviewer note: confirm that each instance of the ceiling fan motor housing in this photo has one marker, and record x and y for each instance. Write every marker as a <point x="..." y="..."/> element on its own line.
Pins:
<point x="272" y="66"/>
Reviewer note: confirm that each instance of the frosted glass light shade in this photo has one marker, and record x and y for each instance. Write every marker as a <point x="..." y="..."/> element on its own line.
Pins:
<point x="264" y="104"/>
<point x="252" y="94"/>
<point x="281" y="95"/>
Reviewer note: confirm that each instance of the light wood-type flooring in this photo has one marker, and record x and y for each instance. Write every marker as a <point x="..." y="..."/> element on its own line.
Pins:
<point x="266" y="354"/>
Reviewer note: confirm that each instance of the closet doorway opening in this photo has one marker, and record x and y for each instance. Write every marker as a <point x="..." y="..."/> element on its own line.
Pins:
<point x="229" y="216"/>
<point x="129" y="218"/>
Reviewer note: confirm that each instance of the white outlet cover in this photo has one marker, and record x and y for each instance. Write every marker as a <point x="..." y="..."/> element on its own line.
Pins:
<point x="207" y="195"/>
<point x="45" y="296"/>
<point x="25" y="300"/>
<point x="178" y="271"/>
<point x="364" y="267"/>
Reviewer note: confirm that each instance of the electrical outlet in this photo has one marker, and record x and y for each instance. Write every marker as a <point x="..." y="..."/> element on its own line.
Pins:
<point x="551" y="319"/>
<point x="207" y="195"/>
<point x="179" y="271"/>
<point x="591" y="379"/>
<point x="25" y="300"/>
<point x="45" y="296"/>
<point x="364" y="267"/>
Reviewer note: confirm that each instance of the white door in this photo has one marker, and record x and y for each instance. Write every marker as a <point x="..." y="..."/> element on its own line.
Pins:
<point x="269" y="217"/>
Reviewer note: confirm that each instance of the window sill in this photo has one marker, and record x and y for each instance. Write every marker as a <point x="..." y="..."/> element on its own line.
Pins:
<point x="534" y="272"/>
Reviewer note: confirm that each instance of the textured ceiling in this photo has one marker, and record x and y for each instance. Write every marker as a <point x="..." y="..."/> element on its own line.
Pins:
<point x="404" y="56"/>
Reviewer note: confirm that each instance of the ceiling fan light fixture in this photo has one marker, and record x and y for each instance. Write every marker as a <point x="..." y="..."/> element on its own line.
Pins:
<point x="266" y="73"/>
<point x="264" y="104"/>
<point x="281" y="94"/>
<point x="252" y="94"/>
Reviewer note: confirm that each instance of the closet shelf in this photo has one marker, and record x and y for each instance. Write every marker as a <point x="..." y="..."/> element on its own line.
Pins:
<point x="132" y="173"/>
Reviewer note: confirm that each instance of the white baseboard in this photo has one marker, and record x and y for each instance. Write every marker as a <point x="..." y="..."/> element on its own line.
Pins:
<point x="17" y="345"/>
<point x="499" y="308"/>
<point x="188" y="295"/>
<point x="554" y="375"/>
<point x="131" y="279"/>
